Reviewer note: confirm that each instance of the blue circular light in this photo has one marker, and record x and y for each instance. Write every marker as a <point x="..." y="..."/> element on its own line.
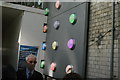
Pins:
<point x="43" y="46"/>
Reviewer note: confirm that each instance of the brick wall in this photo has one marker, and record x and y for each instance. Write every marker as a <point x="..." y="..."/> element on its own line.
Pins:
<point x="99" y="49"/>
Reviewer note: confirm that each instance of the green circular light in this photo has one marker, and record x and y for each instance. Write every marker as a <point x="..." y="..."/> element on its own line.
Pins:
<point x="46" y="12"/>
<point x="39" y="2"/>
<point x="42" y="64"/>
<point x="72" y="18"/>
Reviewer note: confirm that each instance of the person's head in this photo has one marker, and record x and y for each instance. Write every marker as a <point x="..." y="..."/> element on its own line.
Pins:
<point x="31" y="61"/>
<point x="72" y="76"/>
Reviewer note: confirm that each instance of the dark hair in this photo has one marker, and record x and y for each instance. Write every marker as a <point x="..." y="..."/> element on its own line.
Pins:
<point x="72" y="76"/>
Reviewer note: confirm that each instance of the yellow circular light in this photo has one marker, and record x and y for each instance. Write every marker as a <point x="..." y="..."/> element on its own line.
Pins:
<point x="54" y="45"/>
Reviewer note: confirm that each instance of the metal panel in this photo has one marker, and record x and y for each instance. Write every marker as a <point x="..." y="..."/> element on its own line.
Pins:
<point x="63" y="56"/>
<point x="64" y="7"/>
<point x="31" y="33"/>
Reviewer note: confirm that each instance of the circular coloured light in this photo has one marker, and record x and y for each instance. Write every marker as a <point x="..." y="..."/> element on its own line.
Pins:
<point x="71" y="44"/>
<point x="42" y="64"/>
<point x="57" y="4"/>
<point x="43" y="46"/>
<point x="56" y="24"/>
<point x="69" y="69"/>
<point x="46" y="12"/>
<point x="39" y="2"/>
<point x="72" y="18"/>
<point x="53" y="66"/>
<point x="54" y="45"/>
<point x="44" y="28"/>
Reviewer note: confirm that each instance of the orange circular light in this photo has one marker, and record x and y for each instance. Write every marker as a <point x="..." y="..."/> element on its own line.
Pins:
<point x="45" y="28"/>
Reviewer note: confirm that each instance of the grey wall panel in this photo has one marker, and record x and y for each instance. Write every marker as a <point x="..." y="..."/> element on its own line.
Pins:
<point x="32" y="35"/>
<point x="31" y="29"/>
<point x="63" y="56"/>
<point x="64" y="7"/>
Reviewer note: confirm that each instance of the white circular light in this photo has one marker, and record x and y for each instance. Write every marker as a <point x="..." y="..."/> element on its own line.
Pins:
<point x="56" y="24"/>
<point x="69" y="69"/>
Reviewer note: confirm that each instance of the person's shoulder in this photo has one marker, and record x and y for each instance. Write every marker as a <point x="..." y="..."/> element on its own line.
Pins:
<point x="21" y="70"/>
<point x="38" y="73"/>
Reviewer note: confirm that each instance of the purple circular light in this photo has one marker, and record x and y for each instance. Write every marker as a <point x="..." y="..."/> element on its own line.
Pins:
<point x="71" y="43"/>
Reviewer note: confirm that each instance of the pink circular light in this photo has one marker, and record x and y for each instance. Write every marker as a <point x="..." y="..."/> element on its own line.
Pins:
<point x="53" y="66"/>
<point x="57" y="4"/>
<point x="71" y="43"/>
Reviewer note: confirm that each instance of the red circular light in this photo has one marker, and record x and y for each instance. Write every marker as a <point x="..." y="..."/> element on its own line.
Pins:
<point x="53" y="66"/>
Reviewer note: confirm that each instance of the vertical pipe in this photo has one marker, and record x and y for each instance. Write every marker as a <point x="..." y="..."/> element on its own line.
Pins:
<point x="87" y="46"/>
<point x="112" y="44"/>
